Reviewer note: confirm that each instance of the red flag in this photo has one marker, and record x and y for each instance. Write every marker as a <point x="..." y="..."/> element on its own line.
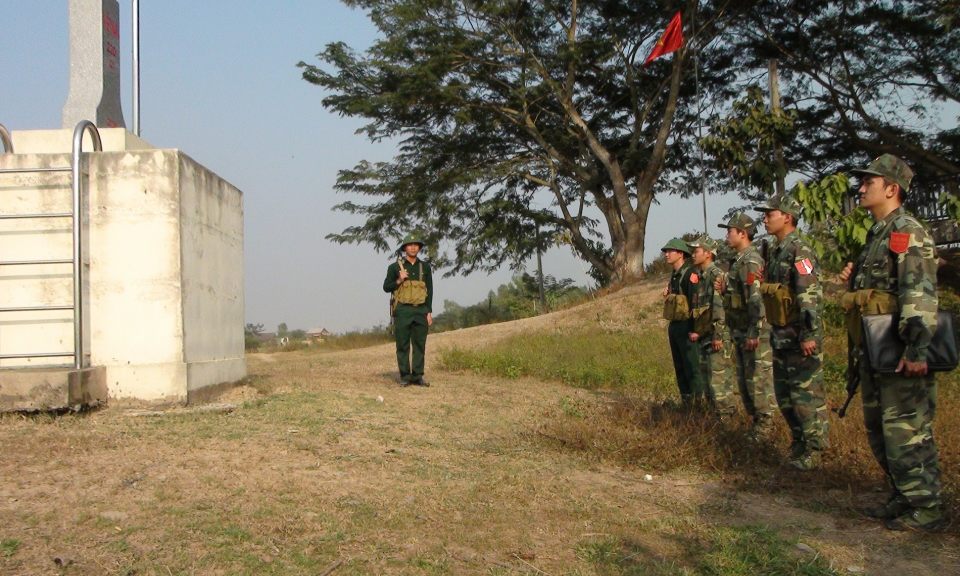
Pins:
<point x="671" y="40"/>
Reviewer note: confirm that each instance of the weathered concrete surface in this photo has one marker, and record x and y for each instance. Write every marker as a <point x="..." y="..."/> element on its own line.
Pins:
<point x="94" y="92"/>
<point x="52" y="389"/>
<point x="163" y="261"/>
<point x="53" y="141"/>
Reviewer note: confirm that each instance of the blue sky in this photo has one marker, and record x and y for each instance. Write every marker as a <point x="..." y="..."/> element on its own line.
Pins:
<point x="219" y="81"/>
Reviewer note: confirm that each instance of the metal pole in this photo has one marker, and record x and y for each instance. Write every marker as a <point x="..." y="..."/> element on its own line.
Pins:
<point x="136" y="67"/>
<point x="83" y="126"/>
<point x="775" y="108"/>
<point x="696" y="76"/>
<point x="543" y="298"/>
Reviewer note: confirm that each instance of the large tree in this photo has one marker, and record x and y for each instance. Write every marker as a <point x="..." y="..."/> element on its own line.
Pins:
<point x="863" y="78"/>
<point x="514" y="115"/>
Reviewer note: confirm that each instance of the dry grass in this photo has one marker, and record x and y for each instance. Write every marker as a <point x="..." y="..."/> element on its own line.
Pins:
<point x="311" y="471"/>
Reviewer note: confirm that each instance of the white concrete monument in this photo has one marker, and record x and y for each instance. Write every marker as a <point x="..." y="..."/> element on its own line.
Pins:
<point x="94" y="93"/>
<point x="161" y="253"/>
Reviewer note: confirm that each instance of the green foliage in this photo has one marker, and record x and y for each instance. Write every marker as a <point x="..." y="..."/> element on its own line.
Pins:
<point x="253" y="329"/>
<point x="865" y="77"/>
<point x="743" y="143"/>
<point x="250" y="342"/>
<point x="9" y="547"/>
<point x="282" y="330"/>
<point x="837" y="237"/>
<point x="515" y="116"/>
<point x="297" y="334"/>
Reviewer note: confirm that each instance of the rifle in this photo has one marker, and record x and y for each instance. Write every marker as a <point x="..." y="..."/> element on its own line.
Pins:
<point x="765" y="254"/>
<point x="853" y="367"/>
<point x="393" y="295"/>
<point x="853" y="376"/>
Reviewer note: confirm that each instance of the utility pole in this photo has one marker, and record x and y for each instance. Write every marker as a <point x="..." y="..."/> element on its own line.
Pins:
<point x="543" y="297"/>
<point x="775" y="108"/>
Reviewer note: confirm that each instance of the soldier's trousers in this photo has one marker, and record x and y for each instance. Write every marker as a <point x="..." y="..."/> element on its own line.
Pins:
<point x="755" y="378"/>
<point x="898" y="414"/>
<point x="716" y="375"/>
<point x="686" y="360"/>
<point x="798" y="383"/>
<point x="410" y="329"/>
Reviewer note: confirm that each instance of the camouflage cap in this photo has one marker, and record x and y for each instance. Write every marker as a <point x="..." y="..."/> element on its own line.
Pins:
<point x="741" y="221"/>
<point x="676" y="244"/>
<point x="890" y="167"/>
<point x="785" y="204"/>
<point x="411" y="238"/>
<point x="706" y="242"/>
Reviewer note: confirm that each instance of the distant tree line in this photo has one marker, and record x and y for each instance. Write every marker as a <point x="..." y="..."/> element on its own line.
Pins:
<point x="518" y="299"/>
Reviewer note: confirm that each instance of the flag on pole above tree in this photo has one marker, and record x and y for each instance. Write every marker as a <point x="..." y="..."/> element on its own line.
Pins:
<point x="671" y="40"/>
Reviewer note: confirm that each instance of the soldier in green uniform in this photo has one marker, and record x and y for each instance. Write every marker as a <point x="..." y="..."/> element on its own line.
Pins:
<point x="410" y="280"/>
<point x="897" y="272"/>
<point x="746" y="318"/>
<point x="679" y="297"/>
<point x="711" y="329"/>
<point x="793" y="298"/>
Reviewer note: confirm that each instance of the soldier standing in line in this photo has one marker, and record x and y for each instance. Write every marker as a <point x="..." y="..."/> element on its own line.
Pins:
<point x="411" y="282"/>
<point x="897" y="272"/>
<point x="793" y="297"/>
<point x="746" y="318"/>
<point x="679" y="297"/>
<point x="711" y="329"/>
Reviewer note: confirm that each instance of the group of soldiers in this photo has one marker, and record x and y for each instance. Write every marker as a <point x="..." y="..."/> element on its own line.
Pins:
<point x="757" y="331"/>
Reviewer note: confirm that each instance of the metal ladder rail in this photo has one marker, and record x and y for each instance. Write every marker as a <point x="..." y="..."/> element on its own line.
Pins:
<point x="7" y="141"/>
<point x="77" y="305"/>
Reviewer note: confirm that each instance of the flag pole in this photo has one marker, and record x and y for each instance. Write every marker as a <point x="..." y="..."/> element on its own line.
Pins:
<point x="696" y="79"/>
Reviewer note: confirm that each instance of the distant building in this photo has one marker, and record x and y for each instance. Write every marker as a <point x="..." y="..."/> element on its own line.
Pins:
<point x="317" y="334"/>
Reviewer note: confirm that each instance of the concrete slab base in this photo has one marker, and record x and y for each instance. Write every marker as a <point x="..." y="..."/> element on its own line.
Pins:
<point x="52" y="389"/>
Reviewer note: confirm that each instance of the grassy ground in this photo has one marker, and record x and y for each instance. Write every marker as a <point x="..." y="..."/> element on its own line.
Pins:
<point x="320" y="464"/>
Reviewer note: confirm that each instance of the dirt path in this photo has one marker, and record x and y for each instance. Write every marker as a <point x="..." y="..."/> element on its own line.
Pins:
<point x="324" y="459"/>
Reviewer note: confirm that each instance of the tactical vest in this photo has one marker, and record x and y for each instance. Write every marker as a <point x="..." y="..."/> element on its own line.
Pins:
<point x="412" y="292"/>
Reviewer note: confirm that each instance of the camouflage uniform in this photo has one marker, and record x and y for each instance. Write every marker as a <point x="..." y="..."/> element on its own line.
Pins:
<point x="715" y="370"/>
<point x="798" y="379"/>
<point x="686" y="355"/>
<point x="747" y="319"/>
<point x="900" y="259"/>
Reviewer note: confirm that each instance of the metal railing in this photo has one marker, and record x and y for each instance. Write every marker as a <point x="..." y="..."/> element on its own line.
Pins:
<point x="7" y="141"/>
<point x="76" y="216"/>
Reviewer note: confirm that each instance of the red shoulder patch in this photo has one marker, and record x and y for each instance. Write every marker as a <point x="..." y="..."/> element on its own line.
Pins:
<point x="751" y="277"/>
<point x="899" y="241"/>
<point x="694" y="278"/>
<point x="804" y="266"/>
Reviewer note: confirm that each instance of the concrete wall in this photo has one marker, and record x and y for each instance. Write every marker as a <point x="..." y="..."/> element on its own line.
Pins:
<point x="165" y="269"/>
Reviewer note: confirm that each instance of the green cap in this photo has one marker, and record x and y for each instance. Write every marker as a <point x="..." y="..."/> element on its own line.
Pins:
<point x="677" y="244"/>
<point x="785" y="204"/>
<point x="706" y="242"/>
<point x="892" y="168"/>
<point x="741" y="221"/>
<point x="412" y="238"/>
